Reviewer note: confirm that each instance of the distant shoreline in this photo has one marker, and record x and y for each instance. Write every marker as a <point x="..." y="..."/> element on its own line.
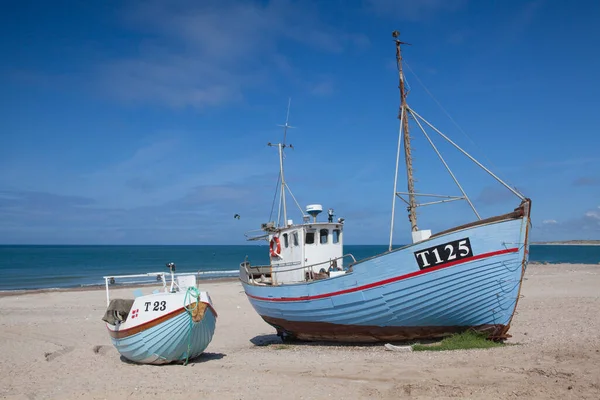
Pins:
<point x="569" y="243"/>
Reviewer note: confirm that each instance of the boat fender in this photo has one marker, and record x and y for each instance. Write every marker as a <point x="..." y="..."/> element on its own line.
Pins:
<point x="275" y="247"/>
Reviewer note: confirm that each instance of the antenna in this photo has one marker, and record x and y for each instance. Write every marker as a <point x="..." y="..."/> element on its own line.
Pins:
<point x="281" y="147"/>
<point x="286" y="126"/>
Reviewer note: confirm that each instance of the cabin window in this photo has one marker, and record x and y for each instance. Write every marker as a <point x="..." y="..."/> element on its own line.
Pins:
<point x="310" y="238"/>
<point x="336" y="236"/>
<point x="295" y="238"/>
<point x="323" y="233"/>
<point x="286" y="241"/>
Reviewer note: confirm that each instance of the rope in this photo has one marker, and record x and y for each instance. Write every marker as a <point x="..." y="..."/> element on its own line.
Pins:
<point x="190" y="311"/>
<point x="293" y="197"/>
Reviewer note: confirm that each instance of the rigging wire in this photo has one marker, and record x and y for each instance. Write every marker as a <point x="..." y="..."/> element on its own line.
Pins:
<point x="275" y="196"/>
<point x="450" y="117"/>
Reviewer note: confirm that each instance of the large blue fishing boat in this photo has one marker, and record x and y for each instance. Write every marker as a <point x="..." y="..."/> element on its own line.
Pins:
<point x="466" y="277"/>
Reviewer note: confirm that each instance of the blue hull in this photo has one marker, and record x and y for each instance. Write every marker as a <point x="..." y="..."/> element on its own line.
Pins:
<point x="402" y="295"/>
<point x="168" y="341"/>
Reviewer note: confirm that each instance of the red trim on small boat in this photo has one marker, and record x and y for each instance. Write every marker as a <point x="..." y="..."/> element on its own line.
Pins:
<point x="120" y="334"/>
<point x="390" y="280"/>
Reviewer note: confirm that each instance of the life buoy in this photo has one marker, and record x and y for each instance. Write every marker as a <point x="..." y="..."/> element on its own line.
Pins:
<point x="275" y="247"/>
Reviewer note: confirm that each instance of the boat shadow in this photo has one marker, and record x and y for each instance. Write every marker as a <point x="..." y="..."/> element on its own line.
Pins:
<point x="204" y="357"/>
<point x="273" y="339"/>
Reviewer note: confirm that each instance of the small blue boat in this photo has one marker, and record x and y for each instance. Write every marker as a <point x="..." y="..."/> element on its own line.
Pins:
<point x="175" y="324"/>
<point x="467" y="277"/>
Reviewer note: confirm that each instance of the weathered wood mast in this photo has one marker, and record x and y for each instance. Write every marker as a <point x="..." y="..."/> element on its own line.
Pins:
<point x="403" y="117"/>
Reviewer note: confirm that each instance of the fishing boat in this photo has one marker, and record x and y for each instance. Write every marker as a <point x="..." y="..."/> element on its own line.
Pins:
<point x="172" y="324"/>
<point x="465" y="277"/>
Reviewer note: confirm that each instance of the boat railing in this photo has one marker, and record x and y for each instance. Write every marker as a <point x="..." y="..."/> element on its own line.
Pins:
<point x="160" y="276"/>
<point x="256" y="234"/>
<point x="331" y="260"/>
<point x="287" y="264"/>
<point x="308" y="268"/>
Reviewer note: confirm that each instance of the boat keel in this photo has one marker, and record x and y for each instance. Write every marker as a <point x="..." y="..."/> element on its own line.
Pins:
<point x="328" y="332"/>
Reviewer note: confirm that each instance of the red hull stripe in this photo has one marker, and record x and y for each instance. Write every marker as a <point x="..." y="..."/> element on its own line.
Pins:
<point x="390" y="280"/>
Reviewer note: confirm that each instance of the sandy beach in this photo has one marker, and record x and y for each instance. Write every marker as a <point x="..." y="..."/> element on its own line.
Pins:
<point x="54" y="345"/>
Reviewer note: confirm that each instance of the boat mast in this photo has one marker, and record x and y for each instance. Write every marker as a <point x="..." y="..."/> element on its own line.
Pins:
<point x="412" y="204"/>
<point x="280" y="147"/>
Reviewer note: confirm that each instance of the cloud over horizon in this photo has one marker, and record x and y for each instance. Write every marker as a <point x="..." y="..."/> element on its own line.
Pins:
<point x="584" y="227"/>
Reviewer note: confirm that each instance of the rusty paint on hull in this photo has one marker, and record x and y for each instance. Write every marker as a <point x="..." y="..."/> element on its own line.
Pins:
<point x="328" y="332"/>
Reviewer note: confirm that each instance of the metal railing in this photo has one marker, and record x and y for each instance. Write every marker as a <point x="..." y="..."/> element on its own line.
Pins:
<point x="110" y="280"/>
<point x="308" y="268"/>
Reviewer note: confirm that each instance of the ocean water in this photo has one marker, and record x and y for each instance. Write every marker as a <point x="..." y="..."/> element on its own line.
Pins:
<point x="38" y="267"/>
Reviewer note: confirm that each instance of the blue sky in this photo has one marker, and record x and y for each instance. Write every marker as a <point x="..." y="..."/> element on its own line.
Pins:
<point x="146" y="122"/>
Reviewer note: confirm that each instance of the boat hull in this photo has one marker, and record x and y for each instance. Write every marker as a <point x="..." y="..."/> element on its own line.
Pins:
<point x="406" y="294"/>
<point x="171" y="335"/>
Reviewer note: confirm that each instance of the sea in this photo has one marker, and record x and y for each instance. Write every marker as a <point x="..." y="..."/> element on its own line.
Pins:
<point x="46" y="267"/>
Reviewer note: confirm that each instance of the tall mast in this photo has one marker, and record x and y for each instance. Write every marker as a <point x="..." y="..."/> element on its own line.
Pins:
<point x="412" y="204"/>
<point x="280" y="147"/>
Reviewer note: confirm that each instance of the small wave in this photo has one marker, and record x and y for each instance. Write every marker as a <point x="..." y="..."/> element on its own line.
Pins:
<point x="230" y="272"/>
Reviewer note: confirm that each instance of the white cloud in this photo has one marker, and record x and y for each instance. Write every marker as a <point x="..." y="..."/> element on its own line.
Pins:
<point x="176" y="81"/>
<point x="549" y="221"/>
<point x="163" y="170"/>
<point x="207" y="53"/>
<point x="593" y="215"/>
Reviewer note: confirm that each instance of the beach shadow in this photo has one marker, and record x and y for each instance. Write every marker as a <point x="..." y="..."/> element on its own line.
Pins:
<point x="126" y="361"/>
<point x="204" y="357"/>
<point x="266" y="340"/>
<point x="273" y="339"/>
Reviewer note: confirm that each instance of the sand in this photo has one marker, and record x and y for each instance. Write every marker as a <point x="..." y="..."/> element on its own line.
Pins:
<point x="54" y="345"/>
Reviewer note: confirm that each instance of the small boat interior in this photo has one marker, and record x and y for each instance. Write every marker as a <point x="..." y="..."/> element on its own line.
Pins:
<point x="118" y="309"/>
